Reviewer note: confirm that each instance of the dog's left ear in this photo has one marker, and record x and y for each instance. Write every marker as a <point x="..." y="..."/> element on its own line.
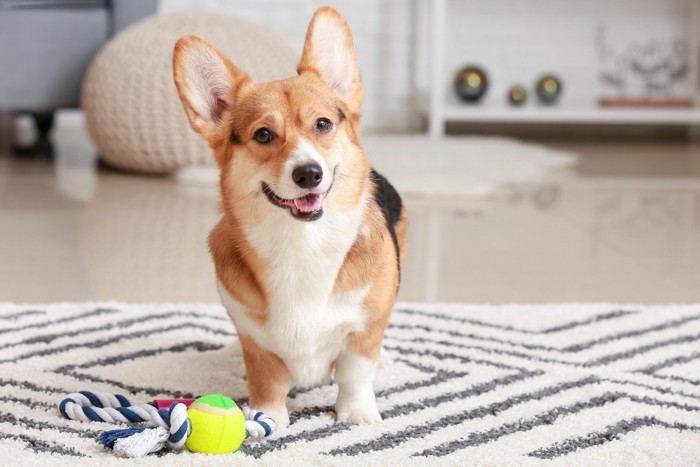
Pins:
<point x="329" y="51"/>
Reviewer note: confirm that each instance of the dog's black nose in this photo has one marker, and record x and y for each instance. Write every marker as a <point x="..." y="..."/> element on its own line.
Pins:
<point x="308" y="175"/>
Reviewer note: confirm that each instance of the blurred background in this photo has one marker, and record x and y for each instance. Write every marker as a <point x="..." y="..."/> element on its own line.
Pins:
<point x="547" y="150"/>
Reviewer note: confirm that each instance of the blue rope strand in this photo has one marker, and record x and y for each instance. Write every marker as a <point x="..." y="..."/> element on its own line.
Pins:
<point x="266" y="427"/>
<point x="123" y="400"/>
<point x="94" y="400"/>
<point x="108" y="438"/>
<point x="62" y="407"/>
<point x="180" y="433"/>
<point x="91" y="414"/>
<point x="129" y="415"/>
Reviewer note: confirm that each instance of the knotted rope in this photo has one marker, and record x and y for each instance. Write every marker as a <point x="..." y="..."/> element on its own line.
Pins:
<point x="168" y="418"/>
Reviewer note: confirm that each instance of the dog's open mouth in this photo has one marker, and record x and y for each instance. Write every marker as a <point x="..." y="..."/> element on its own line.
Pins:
<point x="305" y="208"/>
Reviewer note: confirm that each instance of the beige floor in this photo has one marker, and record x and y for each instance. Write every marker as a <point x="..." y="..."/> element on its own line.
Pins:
<point x="625" y="227"/>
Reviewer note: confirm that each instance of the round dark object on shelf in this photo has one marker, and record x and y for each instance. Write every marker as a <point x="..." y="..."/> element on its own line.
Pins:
<point x="549" y="89"/>
<point x="471" y="83"/>
<point x="517" y="95"/>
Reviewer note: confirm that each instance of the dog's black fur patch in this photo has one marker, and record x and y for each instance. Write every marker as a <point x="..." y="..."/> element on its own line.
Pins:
<point x="341" y="115"/>
<point x="388" y="199"/>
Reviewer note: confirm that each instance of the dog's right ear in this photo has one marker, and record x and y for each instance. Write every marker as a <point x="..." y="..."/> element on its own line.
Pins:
<point x="207" y="83"/>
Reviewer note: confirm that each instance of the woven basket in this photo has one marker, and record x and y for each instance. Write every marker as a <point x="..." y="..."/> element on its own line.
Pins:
<point x="133" y="112"/>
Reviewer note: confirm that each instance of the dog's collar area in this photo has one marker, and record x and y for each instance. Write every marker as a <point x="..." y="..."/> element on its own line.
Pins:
<point x="305" y="208"/>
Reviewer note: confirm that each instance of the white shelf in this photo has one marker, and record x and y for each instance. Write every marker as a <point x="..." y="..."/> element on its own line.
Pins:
<point x="443" y="107"/>
<point x="558" y="114"/>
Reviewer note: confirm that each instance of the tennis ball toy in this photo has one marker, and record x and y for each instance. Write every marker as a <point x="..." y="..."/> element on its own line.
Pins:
<point x="218" y="425"/>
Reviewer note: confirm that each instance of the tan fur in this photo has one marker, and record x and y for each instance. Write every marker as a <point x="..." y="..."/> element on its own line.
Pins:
<point x="378" y="303"/>
<point x="289" y="108"/>
<point x="307" y="65"/>
<point x="270" y="382"/>
<point x="239" y="269"/>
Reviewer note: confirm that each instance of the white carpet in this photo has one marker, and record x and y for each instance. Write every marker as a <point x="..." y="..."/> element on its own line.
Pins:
<point x="469" y="385"/>
<point x="466" y="166"/>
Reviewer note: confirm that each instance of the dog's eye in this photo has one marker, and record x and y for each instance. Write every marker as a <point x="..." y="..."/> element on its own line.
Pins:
<point x="263" y="136"/>
<point x="323" y="125"/>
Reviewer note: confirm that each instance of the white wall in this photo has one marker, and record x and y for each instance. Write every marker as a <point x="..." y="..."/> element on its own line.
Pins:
<point x="383" y="33"/>
<point x="514" y="40"/>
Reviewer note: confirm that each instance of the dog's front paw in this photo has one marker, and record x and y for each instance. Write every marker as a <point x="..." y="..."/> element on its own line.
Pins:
<point x="359" y="415"/>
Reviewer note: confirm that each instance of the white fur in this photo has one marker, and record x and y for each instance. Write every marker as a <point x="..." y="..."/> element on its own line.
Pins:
<point x="306" y="323"/>
<point x="304" y="153"/>
<point x="355" y="377"/>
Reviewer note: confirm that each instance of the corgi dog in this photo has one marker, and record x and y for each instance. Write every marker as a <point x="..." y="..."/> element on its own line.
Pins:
<point x="309" y="248"/>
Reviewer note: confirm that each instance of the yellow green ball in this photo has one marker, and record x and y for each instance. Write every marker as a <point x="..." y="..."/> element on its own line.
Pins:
<point x="218" y="425"/>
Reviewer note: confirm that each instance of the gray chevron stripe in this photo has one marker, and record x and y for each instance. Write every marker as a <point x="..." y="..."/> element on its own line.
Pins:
<point x="41" y="446"/>
<point x="445" y="397"/>
<point x="31" y="403"/>
<point x="390" y="440"/>
<point x="634" y="333"/>
<point x="416" y="366"/>
<point x="651" y="370"/>
<point x="569" y="349"/>
<point x="41" y="425"/>
<point x="68" y="319"/>
<point x="554" y="329"/>
<point x="490" y="350"/>
<point x="610" y="358"/>
<point x="314" y="435"/>
<point x="119" y="358"/>
<point x="21" y="314"/>
<point x="546" y="418"/>
<point x="441" y="376"/>
<point x="310" y="412"/>
<point x="694" y="382"/>
<point x="114" y="339"/>
<point x="125" y="324"/>
<point x="68" y="370"/>
<point x="426" y="403"/>
<point x="29" y="386"/>
<point x="437" y="376"/>
<point x="403" y="350"/>
<point x="604" y="360"/>
<point x="670" y="362"/>
<point x="472" y="336"/>
<point x="258" y="450"/>
<point x="122" y="387"/>
<point x="610" y="434"/>
<point x="659" y="389"/>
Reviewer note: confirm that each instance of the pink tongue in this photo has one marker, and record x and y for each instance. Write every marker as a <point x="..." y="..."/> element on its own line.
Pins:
<point x="309" y="203"/>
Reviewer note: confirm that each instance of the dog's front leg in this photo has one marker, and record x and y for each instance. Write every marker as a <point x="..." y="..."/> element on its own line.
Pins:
<point x="354" y="374"/>
<point x="268" y="381"/>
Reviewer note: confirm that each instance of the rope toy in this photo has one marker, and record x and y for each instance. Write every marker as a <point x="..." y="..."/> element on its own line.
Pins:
<point x="212" y="424"/>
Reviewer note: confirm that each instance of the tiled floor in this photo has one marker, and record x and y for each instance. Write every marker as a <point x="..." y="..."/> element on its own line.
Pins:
<point x="625" y="227"/>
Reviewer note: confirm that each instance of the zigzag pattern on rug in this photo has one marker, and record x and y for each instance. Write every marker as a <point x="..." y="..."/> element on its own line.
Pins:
<point x="499" y="384"/>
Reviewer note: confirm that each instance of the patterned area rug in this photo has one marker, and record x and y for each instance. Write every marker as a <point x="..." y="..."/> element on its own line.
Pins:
<point x="510" y="385"/>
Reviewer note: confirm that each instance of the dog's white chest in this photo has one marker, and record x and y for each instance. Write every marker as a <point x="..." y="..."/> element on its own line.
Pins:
<point x="309" y="335"/>
<point x="306" y="324"/>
